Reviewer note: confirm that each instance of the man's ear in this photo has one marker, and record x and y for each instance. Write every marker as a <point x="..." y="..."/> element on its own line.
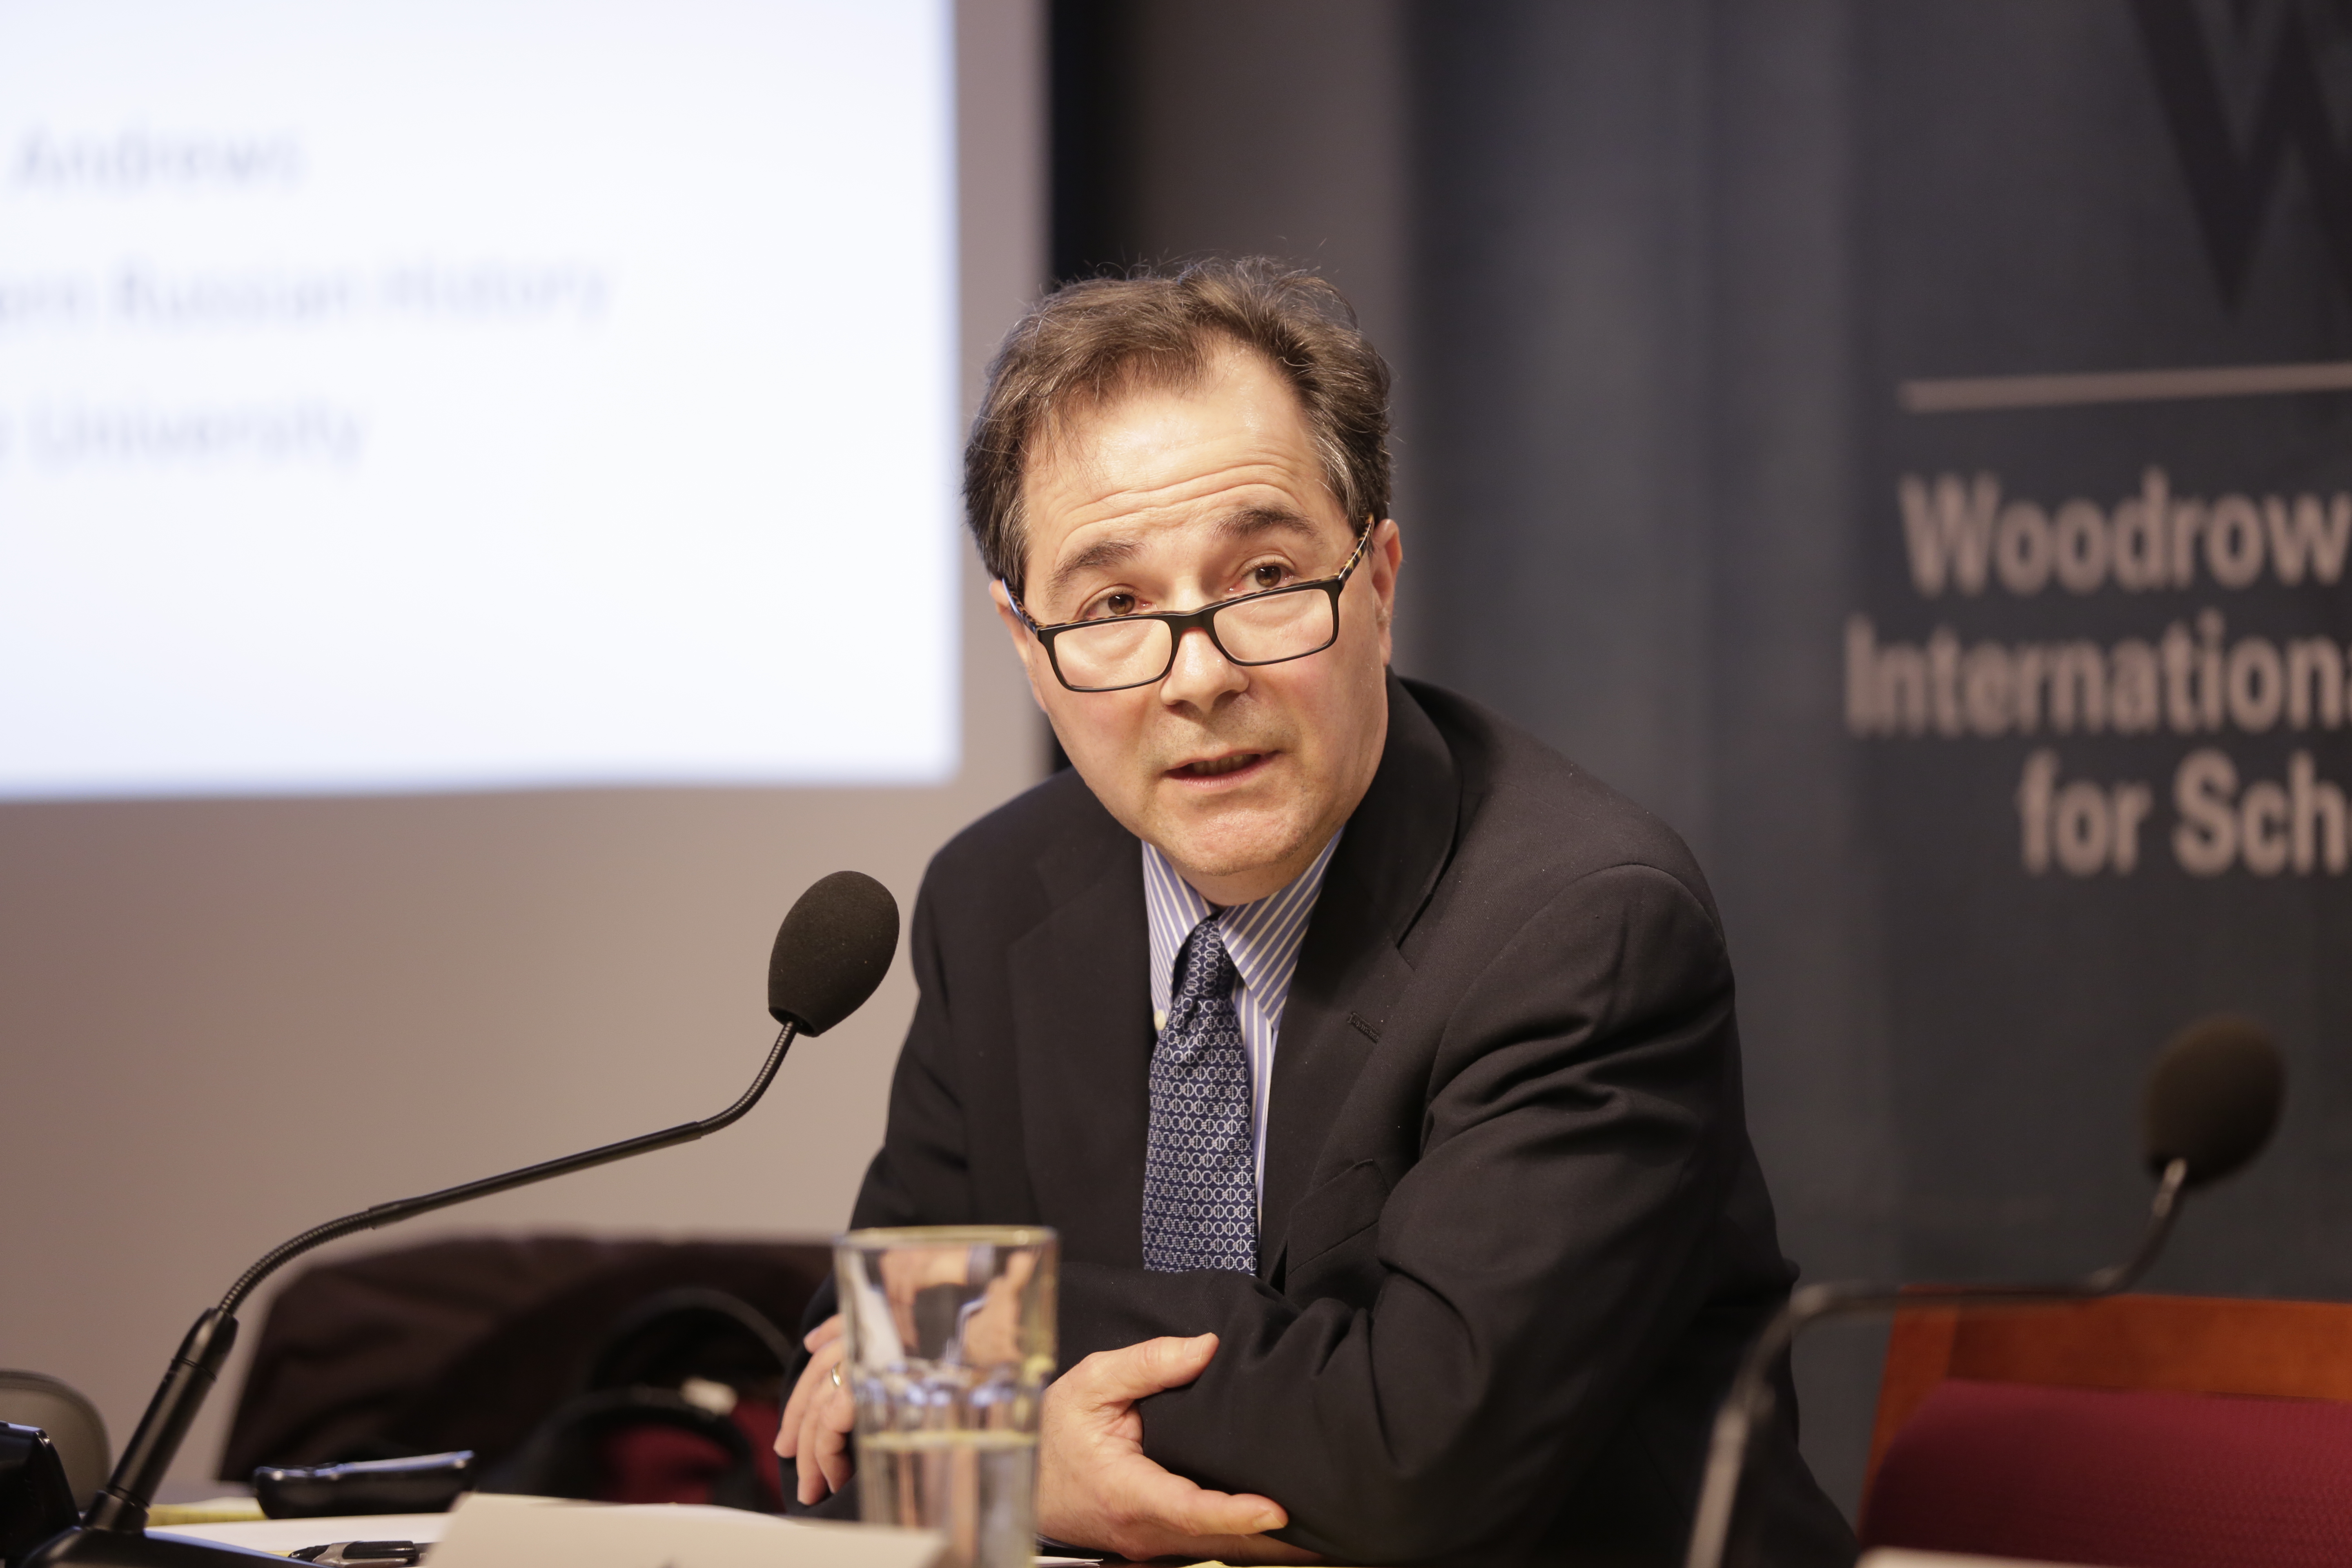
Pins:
<point x="1387" y="553"/>
<point x="1025" y="647"/>
<point x="1002" y="600"/>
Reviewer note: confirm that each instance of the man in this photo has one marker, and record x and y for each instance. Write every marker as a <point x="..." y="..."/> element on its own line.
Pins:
<point x="1376" y="1064"/>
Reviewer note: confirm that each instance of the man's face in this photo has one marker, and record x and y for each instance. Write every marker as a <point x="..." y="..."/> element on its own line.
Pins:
<point x="1167" y="500"/>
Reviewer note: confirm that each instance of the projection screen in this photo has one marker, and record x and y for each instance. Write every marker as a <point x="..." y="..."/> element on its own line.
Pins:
<point x="410" y="395"/>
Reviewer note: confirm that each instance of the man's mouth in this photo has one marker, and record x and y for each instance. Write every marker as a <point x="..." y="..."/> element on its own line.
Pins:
<point x="1217" y="767"/>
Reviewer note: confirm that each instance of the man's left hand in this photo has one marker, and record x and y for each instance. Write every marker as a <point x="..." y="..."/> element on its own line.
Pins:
<point x="1096" y="1488"/>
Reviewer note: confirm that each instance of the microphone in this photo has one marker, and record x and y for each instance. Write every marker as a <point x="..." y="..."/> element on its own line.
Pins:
<point x="831" y="950"/>
<point x="2211" y="1102"/>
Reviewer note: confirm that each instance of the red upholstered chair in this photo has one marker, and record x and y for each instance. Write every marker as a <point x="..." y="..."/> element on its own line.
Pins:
<point x="2142" y="1431"/>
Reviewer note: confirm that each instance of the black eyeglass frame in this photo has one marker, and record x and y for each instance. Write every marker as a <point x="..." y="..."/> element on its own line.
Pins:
<point x="1182" y="621"/>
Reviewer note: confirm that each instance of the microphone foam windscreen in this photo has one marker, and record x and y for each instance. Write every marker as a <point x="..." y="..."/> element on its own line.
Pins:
<point x="831" y="950"/>
<point x="2213" y="1098"/>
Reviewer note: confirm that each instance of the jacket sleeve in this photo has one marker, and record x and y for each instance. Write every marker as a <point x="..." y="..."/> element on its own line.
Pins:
<point x="1582" y="1125"/>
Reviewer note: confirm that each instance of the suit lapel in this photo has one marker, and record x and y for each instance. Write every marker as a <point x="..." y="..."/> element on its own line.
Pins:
<point x="1082" y="1028"/>
<point x="1349" y="972"/>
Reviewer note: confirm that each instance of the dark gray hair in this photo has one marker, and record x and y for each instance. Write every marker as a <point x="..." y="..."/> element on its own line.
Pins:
<point x="1086" y="342"/>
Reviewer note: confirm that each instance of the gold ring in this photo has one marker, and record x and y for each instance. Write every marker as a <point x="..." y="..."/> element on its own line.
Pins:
<point x="836" y="1374"/>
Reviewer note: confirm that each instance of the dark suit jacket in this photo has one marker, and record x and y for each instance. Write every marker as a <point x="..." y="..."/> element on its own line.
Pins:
<point x="1514" y="1239"/>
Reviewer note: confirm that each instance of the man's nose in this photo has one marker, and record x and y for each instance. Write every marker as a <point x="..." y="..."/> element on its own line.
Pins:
<point x="1200" y="674"/>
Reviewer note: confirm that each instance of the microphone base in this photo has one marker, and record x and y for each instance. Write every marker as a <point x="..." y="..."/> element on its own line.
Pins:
<point x="125" y="1549"/>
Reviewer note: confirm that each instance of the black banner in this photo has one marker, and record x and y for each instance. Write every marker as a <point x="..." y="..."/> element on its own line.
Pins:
<point x="2096" y="677"/>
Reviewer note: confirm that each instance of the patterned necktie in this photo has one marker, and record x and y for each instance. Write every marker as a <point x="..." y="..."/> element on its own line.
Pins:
<point x="1200" y="1173"/>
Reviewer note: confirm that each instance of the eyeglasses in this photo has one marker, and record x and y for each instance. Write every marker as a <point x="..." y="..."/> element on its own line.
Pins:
<point x="1116" y="652"/>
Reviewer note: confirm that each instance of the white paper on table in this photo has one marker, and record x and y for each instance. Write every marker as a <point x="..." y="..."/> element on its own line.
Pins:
<point x="491" y="1530"/>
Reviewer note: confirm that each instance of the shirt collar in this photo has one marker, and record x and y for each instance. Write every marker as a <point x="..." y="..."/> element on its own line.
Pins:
<point x="1262" y="938"/>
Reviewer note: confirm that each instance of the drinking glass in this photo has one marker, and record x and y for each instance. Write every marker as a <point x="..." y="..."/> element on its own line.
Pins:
<point x="950" y="1343"/>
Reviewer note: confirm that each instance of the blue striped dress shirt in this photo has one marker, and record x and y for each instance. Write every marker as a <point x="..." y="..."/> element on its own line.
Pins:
<point x="1262" y="939"/>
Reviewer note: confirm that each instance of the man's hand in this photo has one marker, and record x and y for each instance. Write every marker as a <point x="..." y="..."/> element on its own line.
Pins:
<point x="815" y="1431"/>
<point x="1096" y="1489"/>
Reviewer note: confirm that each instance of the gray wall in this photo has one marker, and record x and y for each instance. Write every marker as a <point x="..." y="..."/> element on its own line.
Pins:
<point x="224" y="1021"/>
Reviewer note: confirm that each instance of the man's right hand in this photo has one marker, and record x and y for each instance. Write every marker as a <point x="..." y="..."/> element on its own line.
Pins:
<point x="1096" y="1488"/>
<point x="815" y="1431"/>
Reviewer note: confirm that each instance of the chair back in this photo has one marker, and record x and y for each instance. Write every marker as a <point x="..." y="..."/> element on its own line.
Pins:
<point x="2152" y="1431"/>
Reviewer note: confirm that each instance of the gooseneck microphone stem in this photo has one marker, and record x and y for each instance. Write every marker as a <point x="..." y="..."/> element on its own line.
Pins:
<point x="1749" y="1400"/>
<point x="121" y="1505"/>
<point x="409" y="1208"/>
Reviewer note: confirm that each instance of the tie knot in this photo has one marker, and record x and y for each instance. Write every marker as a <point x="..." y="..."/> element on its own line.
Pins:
<point x="1205" y="968"/>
